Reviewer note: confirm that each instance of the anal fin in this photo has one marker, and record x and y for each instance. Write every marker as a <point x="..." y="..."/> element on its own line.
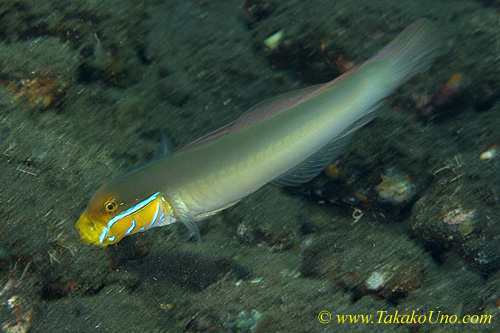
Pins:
<point x="317" y="162"/>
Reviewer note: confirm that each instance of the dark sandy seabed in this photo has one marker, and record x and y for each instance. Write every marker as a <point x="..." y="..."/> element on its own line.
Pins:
<point x="406" y="221"/>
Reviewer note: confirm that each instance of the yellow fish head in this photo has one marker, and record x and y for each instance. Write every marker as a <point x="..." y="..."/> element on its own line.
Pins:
<point x="109" y="218"/>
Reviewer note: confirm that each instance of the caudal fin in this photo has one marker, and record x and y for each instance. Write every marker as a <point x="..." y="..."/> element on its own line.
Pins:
<point x="412" y="51"/>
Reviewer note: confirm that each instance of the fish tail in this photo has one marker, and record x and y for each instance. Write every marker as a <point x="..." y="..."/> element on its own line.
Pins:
<point x="411" y="52"/>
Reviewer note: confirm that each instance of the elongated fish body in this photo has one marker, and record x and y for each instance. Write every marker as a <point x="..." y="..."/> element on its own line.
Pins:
<point x="286" y="140"/>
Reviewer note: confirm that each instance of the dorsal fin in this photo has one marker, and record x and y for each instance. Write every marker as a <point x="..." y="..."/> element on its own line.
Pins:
<point x="166" y="145"/>
<point x="267" y="109"/>
<point x="259" y="112"/>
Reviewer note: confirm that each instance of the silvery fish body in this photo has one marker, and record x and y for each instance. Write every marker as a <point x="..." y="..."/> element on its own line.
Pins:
<point x="286" y="140"/>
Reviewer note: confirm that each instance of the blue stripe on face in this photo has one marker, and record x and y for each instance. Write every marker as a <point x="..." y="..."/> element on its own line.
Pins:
<point x="156" y="215"/>
<point x="129" y="230"/>
<point x="126" y="213"/>
<point x="103" y="235"/>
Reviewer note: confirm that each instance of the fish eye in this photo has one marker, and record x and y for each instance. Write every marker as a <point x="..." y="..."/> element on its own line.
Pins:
<point x="110" y="206"/>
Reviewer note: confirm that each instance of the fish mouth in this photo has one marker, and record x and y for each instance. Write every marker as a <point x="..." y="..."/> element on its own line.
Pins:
<point x="89" y="232"/>
<point x="92" y="230"/>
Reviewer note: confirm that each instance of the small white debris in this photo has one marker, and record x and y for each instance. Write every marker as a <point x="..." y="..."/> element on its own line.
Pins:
<point x="489" y="153"/>
<point x="273" y="42"/>
<point x="376" y="280"/>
